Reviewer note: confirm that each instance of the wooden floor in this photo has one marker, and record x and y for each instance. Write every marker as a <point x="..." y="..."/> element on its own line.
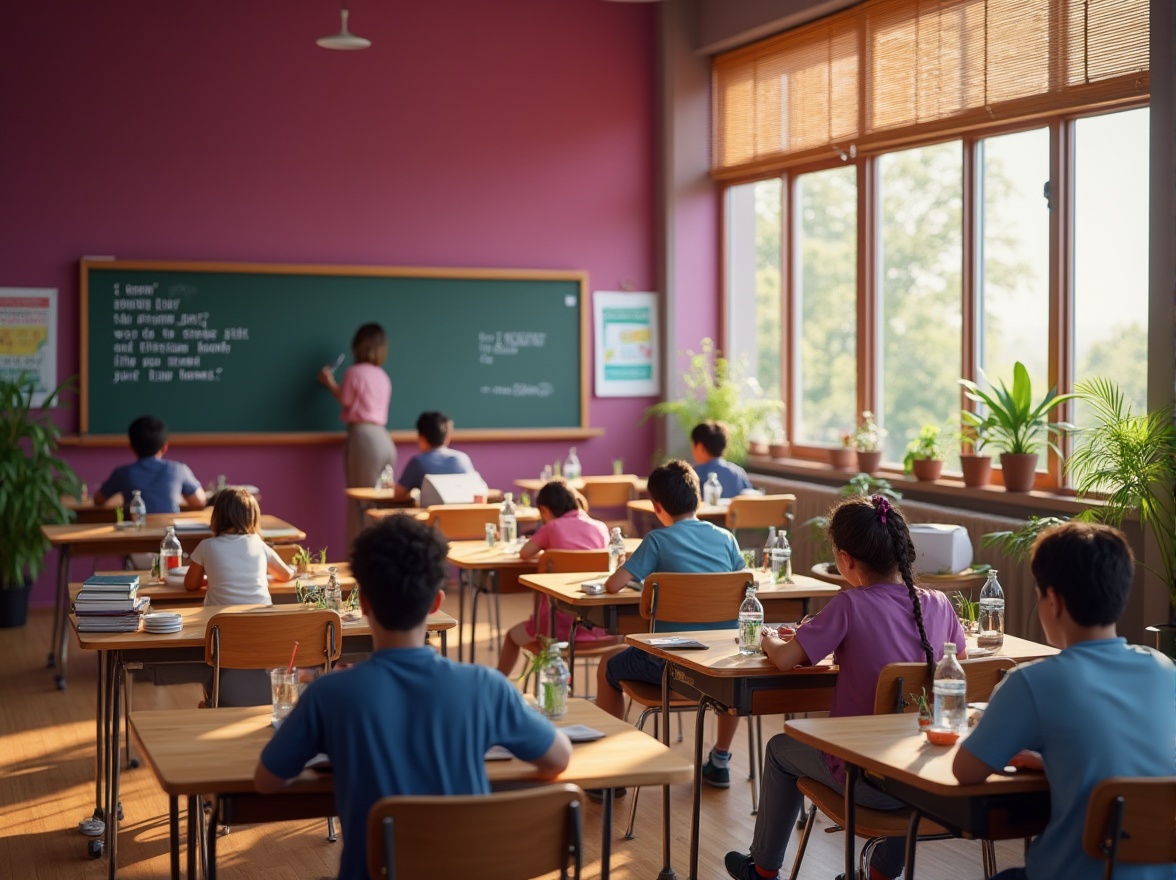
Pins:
<point x="47" y="787"/>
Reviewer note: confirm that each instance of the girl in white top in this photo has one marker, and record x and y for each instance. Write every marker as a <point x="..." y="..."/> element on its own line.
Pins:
<point x="235" y="560"/>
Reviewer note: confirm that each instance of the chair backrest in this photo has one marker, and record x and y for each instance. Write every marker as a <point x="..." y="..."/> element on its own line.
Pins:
<point x="560" y="561"/>
<point x="759" y="511"/>
<point x="1131" y="819"/>
<point x="264" y="639"/>
<point x="897" y="681"/>
<point x="462" y="522"/>
<point x="512" y="835"/>
<point x="287" y="552"/>
<point x="693" y="598"/>
<point x="609" y="492"/>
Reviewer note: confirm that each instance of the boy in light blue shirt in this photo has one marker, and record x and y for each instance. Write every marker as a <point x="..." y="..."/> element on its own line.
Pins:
<point x="163" y="484"/>
<point x="709" y="441"/>
<point x="1100" y="708"/>
<point x="435" y="457"/>
<point x="686" y="544"/>
<point x="406" y="721"/>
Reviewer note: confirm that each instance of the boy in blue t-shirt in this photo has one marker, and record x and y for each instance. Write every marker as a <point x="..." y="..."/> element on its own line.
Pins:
<point x="710" y="442"/>
<point x="407" y="721"/>
<point x="687" y="544"/>
<point x="435" y="457"/>
<point x="1100" y="708"/>
<point x="163" y="484"/>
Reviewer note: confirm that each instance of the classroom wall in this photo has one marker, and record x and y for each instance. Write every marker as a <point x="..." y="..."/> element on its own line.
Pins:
<point x="510" y="134"/>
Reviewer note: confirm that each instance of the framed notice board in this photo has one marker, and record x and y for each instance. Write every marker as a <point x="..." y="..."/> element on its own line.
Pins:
<point x="232" y="351"/>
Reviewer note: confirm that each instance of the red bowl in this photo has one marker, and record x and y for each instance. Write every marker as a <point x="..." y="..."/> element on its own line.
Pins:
<point x="939" y="737"/>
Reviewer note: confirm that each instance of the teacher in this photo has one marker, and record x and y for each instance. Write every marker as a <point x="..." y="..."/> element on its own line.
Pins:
<point x="365" y="395"/>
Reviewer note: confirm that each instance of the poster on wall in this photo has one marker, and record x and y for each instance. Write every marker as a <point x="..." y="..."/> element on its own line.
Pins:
<point x="28" y="336"/>
<point x="626" y="344"/>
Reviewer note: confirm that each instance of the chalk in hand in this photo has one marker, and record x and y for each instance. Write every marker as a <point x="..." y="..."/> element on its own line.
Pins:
<point x="338" y="362"/>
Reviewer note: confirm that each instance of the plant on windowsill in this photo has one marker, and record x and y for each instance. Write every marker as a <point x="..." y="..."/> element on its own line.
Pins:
<point x="1015" y="426"/>
<point x="867" y="440"/>
<point x="924" y="455"/>
<point x="719" y="389"/>
<point x="33" y="480"/>
<point x="976" y="466"/>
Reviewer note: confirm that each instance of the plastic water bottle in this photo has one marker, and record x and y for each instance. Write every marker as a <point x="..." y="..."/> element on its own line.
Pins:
<point x="553" y="682"/>
<point x="333" y="593"/>
<point x="616" y="550"/>
<point x="782" y="560"/>
<point x="951" y="692"/>
<point x="571" y="468"/>
<point x="712" y="490"/>
<point x="138" y="510"/>
<point x="992" y="604"/>
<point x="751" y="623"/>
<point x="508" y="524"/>
<point x="768" y="545"/>
<point x="171" y="554"/>
<point x="387" y="478"/>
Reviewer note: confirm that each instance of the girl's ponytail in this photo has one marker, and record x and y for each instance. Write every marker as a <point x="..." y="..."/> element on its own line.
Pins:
<point x="904" y="554"/>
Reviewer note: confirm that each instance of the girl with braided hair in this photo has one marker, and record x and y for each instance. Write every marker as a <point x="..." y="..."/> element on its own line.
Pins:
<point x="880" y="617"/>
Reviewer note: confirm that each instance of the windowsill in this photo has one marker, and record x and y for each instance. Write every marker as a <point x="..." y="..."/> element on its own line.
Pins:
<point x="947" y="491"/>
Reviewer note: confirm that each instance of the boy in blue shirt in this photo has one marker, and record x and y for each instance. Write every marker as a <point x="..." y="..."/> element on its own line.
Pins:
<point x="709" y="441"/>
<point x="162" y="484"/>
<point x="686" y="544"/>
<point x="1100" y="708"/>
<point x="406" y="721"/>
<point x="435" y="457"/>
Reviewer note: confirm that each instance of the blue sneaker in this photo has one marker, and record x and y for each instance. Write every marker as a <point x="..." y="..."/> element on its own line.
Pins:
<point x="716" y="777"/>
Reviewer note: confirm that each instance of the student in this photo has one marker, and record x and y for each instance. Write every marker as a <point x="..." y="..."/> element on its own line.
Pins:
<point x="435" y="457"/>
<point x="566" y="526"/>
<point x="879" y="618"/>
<point x="163" y="484"/>
<point x="365" y="395"/>
<point x="407" y="721"/>
<point x="709" y="441"/>
<point x="235" y="559"/>
<point x="687" y="544"/>
<point x="1100" y="708"/>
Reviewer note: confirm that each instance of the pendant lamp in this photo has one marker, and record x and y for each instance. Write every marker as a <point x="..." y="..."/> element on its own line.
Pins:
<point x="344" y="40"/>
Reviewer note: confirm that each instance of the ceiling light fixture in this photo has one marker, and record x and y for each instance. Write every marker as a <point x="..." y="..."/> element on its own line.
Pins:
<point x="344" y="40"/>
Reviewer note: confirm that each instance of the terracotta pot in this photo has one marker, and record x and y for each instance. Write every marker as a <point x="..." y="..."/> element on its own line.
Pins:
<point x="757" y="447"/>
<point x="869" y="462"/>
<point x="842" y="458"/>
<point x="1018" y="470"/>
<point x="779" y="450"/>
<point x="977" y="470"/>
<point x="927" y="469"/>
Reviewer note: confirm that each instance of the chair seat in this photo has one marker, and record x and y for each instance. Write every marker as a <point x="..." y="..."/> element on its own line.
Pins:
<point x="867" y="823"/>
<point x="584" y="650"/>
<point x="650" y="695"/>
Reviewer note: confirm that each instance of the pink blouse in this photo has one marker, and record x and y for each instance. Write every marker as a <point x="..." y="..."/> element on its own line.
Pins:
<point x="365" y="394"/>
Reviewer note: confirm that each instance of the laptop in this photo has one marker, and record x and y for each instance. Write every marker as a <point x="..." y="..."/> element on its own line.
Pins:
<point x="451" y="489"/>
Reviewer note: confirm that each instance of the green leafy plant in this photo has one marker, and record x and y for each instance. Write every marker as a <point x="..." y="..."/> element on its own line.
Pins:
<point x="718" y="389"/>
<point x="304" y="558"/>
<point x="1011" y="422"/>
<point x="920" y="699"/>
<point x="925" y="446"/>
<point x="32" y="479"/>
<point x="1131" y="461"/>
<point x="966" y="610"/>
<point x="869" y="435"/>
<point x="1016" y="543"/>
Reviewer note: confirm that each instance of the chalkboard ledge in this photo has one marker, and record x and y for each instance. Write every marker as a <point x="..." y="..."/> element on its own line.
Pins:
<point x="474" y="435"/>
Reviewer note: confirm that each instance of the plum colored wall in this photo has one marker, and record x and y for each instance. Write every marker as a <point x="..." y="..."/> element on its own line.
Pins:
<point x="518" y="133"/>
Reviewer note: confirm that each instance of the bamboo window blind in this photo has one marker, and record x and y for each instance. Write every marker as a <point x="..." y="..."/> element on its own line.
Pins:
<point x="894" y="72"/>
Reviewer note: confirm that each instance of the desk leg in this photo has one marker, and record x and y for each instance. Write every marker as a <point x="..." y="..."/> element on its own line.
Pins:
<point x="115" y="763"/>
<point x="461" y="592"/>
<point x="100" y="738"/>
<point x="912" y="837"/>
<point x="173" y="834"/>
<point x="60" y="616"/>
<point x="193" y="806"/>
<point x="667" y="871"/>
<point x="444" y="643"/>
<point x="210" y="834"/>
<point x="696" y="810"/>
<point x="606" y="832"/>
<point x="851" y="777"/>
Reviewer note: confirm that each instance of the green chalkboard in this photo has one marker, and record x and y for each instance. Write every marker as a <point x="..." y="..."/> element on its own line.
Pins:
<point x="234" y="349"/>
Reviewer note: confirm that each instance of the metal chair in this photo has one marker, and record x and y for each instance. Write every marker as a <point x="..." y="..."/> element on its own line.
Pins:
<point x="1133" y="820"/>
<point x="895" y="682"/>
<point x="607" y="498"/>
<point x="507" y="836"/>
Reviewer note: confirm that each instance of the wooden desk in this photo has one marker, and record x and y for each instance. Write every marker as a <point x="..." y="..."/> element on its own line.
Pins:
<point x="533" y="484"/>
<point x="165" y="594"/>
<point x="522" y="514"/>
<point x="641" y="511"/>
<point x="105" y="539"/>
<point x="900" y="761"/>
<point x="197" y="752"/>
<point x="964" y="581"/>
<point x="119" y="653"/>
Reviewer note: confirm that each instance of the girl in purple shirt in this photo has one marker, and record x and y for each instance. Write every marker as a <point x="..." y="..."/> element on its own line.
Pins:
<point x="566" y="526"/>
<point x="881" y="617"/>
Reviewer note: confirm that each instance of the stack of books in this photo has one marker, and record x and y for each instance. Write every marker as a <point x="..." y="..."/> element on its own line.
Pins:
<point x="109" y="603"/>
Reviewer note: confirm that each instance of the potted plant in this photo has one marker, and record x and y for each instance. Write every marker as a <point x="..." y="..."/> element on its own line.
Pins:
<point x="867" y="440"/>
<point x="843" y="457"/>
<point x="718" y="389"/>
<point x="777" y="444"/>
<point x="976" y="466"/>
<point x="304" y="561"/>
<point x="923" y="454"/>
<point x="1015" y="426"/>
<point x="926" y="716"/>
<point x="33" y="480"/>
<point x="1131" y="460"/>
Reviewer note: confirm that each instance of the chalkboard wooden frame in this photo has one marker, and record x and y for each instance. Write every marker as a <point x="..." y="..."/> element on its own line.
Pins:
<point x="88" y="266"/>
